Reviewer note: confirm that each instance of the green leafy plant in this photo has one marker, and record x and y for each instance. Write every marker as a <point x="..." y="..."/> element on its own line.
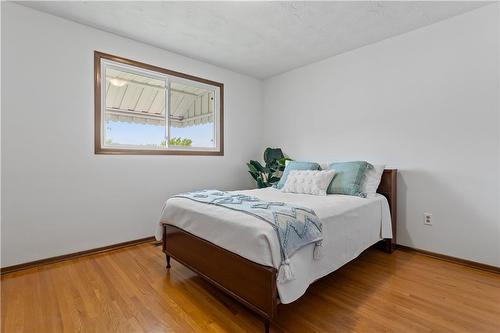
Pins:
<point x="271" y="172"/>
<point x="177" y="142"/>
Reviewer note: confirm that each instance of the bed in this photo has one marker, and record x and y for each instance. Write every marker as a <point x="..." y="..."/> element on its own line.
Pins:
<point x="226" y="248"/>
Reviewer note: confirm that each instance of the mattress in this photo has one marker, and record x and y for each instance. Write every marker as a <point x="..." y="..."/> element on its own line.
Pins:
<point x="350" y="225"/>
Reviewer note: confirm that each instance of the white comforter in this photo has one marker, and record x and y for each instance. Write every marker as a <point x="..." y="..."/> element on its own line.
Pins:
<point x="350" y="225"/>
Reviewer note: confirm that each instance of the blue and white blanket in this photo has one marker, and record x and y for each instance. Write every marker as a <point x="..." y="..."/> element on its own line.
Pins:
<point x="295" y="226"/>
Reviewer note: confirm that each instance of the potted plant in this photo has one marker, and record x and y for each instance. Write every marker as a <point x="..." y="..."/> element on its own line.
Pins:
<point x="271" y="172"/>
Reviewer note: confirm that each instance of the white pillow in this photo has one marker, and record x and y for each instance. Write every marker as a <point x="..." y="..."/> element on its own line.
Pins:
<point x="308" y="181"/>
<point x="372" y="179"/>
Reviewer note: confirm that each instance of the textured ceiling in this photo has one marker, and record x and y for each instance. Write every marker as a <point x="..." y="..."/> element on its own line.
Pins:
<point x="260" y="39"/>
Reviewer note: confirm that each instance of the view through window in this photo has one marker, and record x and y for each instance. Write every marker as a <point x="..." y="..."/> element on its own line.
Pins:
<point x="147" y="109"/>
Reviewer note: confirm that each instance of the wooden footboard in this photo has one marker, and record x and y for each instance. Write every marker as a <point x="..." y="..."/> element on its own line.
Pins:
<point x="252" y="284"/>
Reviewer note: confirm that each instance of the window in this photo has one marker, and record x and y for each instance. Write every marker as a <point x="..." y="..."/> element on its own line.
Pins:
<point x="143" y="109"/>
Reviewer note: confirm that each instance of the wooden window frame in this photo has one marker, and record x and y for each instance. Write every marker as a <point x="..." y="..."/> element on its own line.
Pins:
<point x="99" y="149"/>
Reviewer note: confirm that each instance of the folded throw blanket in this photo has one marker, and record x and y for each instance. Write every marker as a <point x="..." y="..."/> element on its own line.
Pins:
<point x="295" y="226"/>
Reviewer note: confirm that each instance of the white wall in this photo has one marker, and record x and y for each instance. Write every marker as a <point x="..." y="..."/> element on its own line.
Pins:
<point x="498" y="197"/>
<point x="57" y="196"/>
<point x="425" y="102"/>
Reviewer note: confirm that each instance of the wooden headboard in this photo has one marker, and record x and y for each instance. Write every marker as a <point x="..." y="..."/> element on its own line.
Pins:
<point x="388" y="188"/>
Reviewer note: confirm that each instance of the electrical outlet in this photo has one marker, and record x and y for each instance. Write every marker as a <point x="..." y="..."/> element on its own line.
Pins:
<point x="427" y="219"/>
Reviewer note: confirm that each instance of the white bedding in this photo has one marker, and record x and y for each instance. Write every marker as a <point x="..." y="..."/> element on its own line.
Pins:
<point x="350" y="225"/>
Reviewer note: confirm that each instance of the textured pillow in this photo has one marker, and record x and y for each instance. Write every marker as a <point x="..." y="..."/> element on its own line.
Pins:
<point x="372" y="179"/>
<point x="295" y="165"/>
<point x="348" y="177"/>
<point x="308" y="181"/>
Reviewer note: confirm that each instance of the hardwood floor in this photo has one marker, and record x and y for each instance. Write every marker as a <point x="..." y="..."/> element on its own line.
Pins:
<point x="129" y="290"/>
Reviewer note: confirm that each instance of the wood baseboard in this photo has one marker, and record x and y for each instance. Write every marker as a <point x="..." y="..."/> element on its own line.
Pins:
<point x="36" y="263"/>
<point x="464" y="262"/>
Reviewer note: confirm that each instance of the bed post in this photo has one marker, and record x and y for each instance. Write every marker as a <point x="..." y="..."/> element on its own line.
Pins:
<point x="267" y="324"/>
<point x="164" y="245"/>
<point x="388" y="188"/>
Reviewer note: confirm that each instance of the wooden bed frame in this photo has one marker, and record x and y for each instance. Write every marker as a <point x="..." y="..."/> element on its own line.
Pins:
<point x="252" y="284"/>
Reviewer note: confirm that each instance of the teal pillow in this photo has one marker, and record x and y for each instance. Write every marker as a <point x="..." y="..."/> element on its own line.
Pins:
<point x="296" y="165"/>
<point x="348" y="177"/>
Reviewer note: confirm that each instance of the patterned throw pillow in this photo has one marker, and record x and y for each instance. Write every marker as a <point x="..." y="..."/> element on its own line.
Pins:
<point x="348" y="177"/>
<point x="308" y="181"/>
<point x="295" y="165"/>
